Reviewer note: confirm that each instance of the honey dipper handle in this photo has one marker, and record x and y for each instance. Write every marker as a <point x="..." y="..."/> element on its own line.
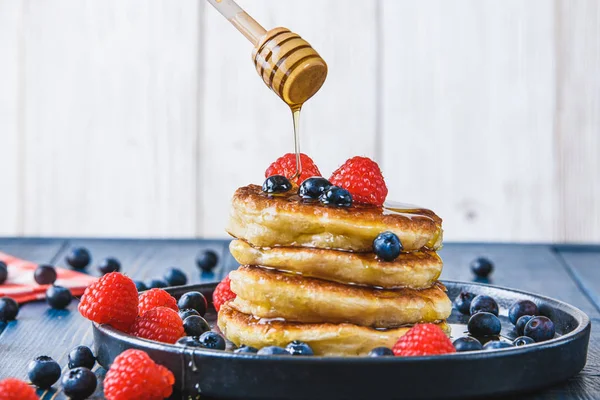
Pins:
<point x="244" y="23"/>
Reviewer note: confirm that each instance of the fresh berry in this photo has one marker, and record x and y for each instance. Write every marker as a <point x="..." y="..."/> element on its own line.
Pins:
<point x="112" y="299"/>
<point x="298" y="348"/>
<point x="14" y="389"/>
<point x="496" y="344"/>
<point x="3" y="272"/>
<point x="175" y="277"/>
<point x="109" y="265"/>
<point x="45" y="275"/>
<point x="276" y="184"/>
<point x="286" y="166"/>
<point x="78" y="257"/>
<point x="79" y="383"/>
<point x="58" y="297"/>
<point x="140" y="286"/>
<point x="161" y="324"/>
<point x="467" y="343"/>
<point x="81" y="356"/>
<point x="243" y="349"/>
<point x="521" y="322"/>
<point x="381" y="352"/>
<point x="463" y="302"/>
<point x="483" y="303"/>
<point x="212" y="340"/>
<point x="313" y="188"/>
<point x="207" y="260"/>
<point x="222" y="293"/>
<point x="484" y="324"/>
<point x="336" y="196"/>
<point x="423" y="340"/>
<point x="156" y="284"/>
<point x="522" y="341"/>
<point x="273" y="351"/>
<point x="8" y="309"/>
<point x="156" y="298"/>
<point x="193" y="300"/>
<point x="482" y="267"/>
<point x="540" y="329"/>
<point x="362" y="177"/>
<point x="195" y="325"/>
<point x="190" y="341"/>
<point x="187" y="312"/>
<point x="387" y="246"/>
<point x="520" y="308"/>
<point x="43" y="372"/>
<point x="134" y="375"/>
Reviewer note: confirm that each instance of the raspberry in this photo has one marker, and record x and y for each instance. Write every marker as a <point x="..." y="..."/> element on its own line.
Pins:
<point x="161" y="324"/>
<point x="423" y="340"/>
<point x="223" y="293"/>
<point x="156" y="298"/>
<point x="134" y="375"/>
<point x="286" y="166"/>
<point x="112" y="300"/>
<point x="14" y="389"/>
<point x="362" y="177"/>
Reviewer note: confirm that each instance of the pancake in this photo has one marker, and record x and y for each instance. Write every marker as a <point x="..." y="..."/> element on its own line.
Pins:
<point x="268" y="293"/>
<point x="286" y="220"/>
<point x="325" y="339"/>
<point x="415" y="270"/>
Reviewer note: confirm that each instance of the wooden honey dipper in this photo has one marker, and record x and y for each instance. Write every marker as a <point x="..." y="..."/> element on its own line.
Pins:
<point x="287" y="63"/>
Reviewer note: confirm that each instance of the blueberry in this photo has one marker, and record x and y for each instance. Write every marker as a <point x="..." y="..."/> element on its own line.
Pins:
<point x="521" y="322"/>
<point x="45" y="274"/>
<point x="540" y="329"/>
<point x="381" y="352"/>
<point x="273" y="351"/>
<point x="187" y="312"/>
<point x="207" y="260"/>
<point x="58" y="297"/>
<point x="156" y="284"/>
<point x="140" y="286"/>
<point x="387" y="246"/>
<point x="3" y="272"/>
<point x="336" y="196"/>
<point x="467" y="343"/>
<point x="43" y="372"/>
<point x="78" y="257"/>
<point x="463" y="302"/>
<point x="522" y="341"/>
<point x="190" y="341"/>
<point x="81" y="356"/>
<point x="484" y="324"/>
<point x="195" y="300"/>
<point x="8" y="309"/>
<point x="195" y="325"/>
<point x="243" y="349"/>
<point x="212" y="340"/>
<point x="483" y="303"/>
<point x="276" y="184"/>
<point x="482" y="267"/>
<point x="496" y="344"/>
<point x="298" y="348"/>
<point x="79" y="383"/>
<point x="175" y="277"/>
<point x="109" y="265"/>
<point x="520" y="308"/>
<point x="313" y="188"/>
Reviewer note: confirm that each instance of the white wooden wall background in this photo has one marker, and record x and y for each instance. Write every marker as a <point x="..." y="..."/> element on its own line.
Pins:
<point x="129" y="118"/>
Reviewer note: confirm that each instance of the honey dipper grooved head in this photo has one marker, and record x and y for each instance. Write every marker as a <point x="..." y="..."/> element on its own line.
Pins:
<point x="289" y="66"/>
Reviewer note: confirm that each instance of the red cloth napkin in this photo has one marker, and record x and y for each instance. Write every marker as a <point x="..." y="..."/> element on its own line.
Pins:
<point x="21" y="286"/>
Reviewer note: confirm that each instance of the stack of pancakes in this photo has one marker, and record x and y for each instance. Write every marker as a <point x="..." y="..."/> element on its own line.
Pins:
<point x="308" y="273"/>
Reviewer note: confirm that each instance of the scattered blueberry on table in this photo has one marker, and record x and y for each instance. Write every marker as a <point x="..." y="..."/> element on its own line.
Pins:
<point x="381" y="352"/>
<point x="45" y="274"/>
<point x="463" y="302"/>
<point x="313" y="188"/>
<point x="207" y="260"/>
<point x="298" y="348"/>
<point x="482" y="267"/>
<point x="81" y="356"/>
<point x="156" y="284"/>
<point x="483" y="303"/>
<point x="78" y="257"/>
<point x="79" y="383"/>
<point x="387" y="246"/>
<point x="43" y="372"/>
<point x="9" y="309"/>
<point x="336" y="196"/>
<point x="276" y="184"/>
<point x="175" y="277"/>
<point x="3" y="272"/>
<point x="467" y="343"/>
<point x="140" y="286"/>
<point x="58" y="297"/>
<point x="521" y="308"/>
<point x="484" y="324"/>
<point x="109" y="265"/>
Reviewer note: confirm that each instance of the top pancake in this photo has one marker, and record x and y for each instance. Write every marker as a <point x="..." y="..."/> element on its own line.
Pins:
<point x="286" y="220"/>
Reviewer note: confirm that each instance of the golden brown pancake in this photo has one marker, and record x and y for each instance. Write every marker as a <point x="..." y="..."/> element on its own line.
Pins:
<point x="268" y="293"/>
<point x="286" y="220"/>
<point x="417" y="270"/>
<point x="326" y="339"/>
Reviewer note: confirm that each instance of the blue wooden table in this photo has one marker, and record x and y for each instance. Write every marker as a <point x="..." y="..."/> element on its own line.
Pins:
<point x="566" y="272"/>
